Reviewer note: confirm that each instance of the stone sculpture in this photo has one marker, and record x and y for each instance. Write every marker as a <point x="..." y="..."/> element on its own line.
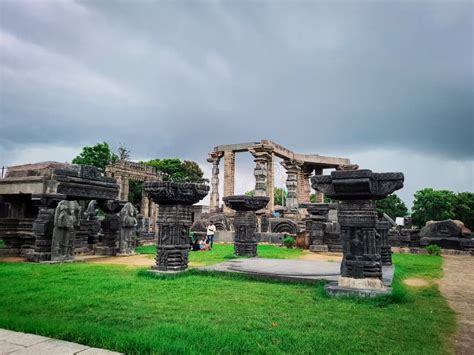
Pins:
<point x="66" y="220"/>
<point x="110" y="227"/>
<point x="361" y="266"/>
<point x="173" y="221"/>
<point x="383" y="226"/>
<point x="128" y="222"/>
<point x="245" y="222"/>
<point x="91" y="211"/>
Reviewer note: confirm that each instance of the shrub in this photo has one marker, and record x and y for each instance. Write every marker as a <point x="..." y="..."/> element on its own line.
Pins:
<point x="433" y="249"/>
<point x="289" y="242"/>
<point x="2" y="244"/>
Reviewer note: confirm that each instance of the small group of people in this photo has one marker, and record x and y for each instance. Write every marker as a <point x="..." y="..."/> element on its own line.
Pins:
<point x="205" y="242"/>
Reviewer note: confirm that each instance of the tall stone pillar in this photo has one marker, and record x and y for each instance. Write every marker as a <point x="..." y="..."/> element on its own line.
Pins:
<point x="145" y="205"/>
<point x="263" y="158"/>
<point x="292" y="170"/>
<point x="125" y="188"/>
<point x="319" y="194"/>
<point x="304" y="188"/>
<point x="229" y="175"/>
<point x="214" y="159"/>
<point x="361" y="266"/>
<point x="174" y="220"/>
<point x="316" y="225"/>
<point x="245" y="222"/>
<point x="271" y="184"/>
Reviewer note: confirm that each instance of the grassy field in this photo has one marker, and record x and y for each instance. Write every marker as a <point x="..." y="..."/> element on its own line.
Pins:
<point x="223" y="252"/>
<point x="127" y="310"/>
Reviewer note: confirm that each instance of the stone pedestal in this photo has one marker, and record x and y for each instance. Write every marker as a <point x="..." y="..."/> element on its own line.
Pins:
<point x="245" y="222"/>
<point x="383" y="226"/>
<point x="361" y="267"/>
<point x="173" y="221"/>
<point x="316" y="225"/>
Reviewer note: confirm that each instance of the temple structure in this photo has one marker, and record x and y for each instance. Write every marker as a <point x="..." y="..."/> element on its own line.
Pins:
<point x="299" y="168"/>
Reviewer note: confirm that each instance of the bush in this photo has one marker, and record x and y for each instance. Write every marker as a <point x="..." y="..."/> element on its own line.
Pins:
<point x="2" y="244"/>
<point x="433" y="249"/>
<point x="289" y="242"/>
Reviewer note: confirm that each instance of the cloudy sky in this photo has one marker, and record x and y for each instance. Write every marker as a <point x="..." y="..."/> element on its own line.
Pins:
<point x="388" y="84"/>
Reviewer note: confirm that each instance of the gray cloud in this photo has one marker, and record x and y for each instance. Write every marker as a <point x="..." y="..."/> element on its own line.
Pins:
<point x="177" y="78"/>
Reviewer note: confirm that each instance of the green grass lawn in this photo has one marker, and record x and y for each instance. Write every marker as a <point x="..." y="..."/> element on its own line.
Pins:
<point x="127" y="310"/>
<point x="223" y="252"/>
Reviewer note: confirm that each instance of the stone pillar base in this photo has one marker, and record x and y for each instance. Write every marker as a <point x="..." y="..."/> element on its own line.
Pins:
<point x="318" y="248"/>
<point x="386" y="255"/>
<point x="245" y="249"/>
<point x="366" y="283"/>
<point x="171" y="259"/>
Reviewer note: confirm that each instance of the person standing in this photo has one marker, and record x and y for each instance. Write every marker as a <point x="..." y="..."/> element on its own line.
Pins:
<point x="211" y="229"/>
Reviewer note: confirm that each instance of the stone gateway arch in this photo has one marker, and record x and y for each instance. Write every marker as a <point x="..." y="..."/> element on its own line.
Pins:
<point x="299" y="169"/>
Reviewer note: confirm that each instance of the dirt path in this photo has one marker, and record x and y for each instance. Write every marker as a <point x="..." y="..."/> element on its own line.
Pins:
<point x="332" y="257"/>
<point x="457" y="286"/>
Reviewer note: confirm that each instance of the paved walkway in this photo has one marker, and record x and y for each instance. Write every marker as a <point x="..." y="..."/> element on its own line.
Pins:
<point x="457" y="286"/>
<point x="21" y="343"/>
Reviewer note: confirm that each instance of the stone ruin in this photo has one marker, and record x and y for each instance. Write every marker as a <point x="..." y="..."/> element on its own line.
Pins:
<point x="245" y="222"/>
<point x="361" y="267"/>
<point x="49" y="213"/>
<point x="448" y="234"/>
<point x="173" y="221"/>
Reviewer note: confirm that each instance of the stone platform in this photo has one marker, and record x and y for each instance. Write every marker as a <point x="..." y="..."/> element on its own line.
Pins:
<point x="289" y="270"/>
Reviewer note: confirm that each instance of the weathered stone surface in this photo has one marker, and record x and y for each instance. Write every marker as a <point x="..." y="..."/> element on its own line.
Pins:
<point x="174" y="220"/>
<point x="383" y="226"/>
<point x="127" y="234"/>
<point x="67" y="219"/>
<point x="316" y="222"/>
<point x="357" y="216"/>
<point x="245" y="222"/>
<point x="447" y="234"/>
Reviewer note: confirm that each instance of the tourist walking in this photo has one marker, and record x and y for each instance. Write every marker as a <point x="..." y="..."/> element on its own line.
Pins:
<point x="211" y="229"/>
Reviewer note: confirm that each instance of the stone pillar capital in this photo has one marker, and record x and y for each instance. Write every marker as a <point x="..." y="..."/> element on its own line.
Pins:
<point x="215" y="157"/>
<point x="261" y="152"/>
<point x="292" y="165"/>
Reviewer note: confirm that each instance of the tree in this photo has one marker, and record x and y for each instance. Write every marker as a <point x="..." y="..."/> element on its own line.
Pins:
<point x="434" y="205"/>
<point x="393" y="206"/>
<point x="123" y="152"/>
<point x="175" y="170"/>
<point x="98" y="155"/>
<point x="135" y="192"/>
<point x="464" y="208"/>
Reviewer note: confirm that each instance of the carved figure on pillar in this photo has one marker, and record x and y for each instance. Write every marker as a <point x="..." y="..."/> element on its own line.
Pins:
<point x="66" y="221"/>
<point x="383" y="226"/>
<point x="214" y="159"/>
<point x="361" y="266"/>
<point x="128" y="222"/>
<point x="316" y="225"/>
<point x="292" y="170"/>
<point x="245" y="222"/>
<point x="173" y="221"/>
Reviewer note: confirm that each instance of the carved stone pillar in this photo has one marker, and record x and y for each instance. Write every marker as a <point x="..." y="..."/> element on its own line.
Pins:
<point x="319" y="194"/>
<point x="43" y="226"/>
<point x="174" y="220"/>
<point x="145" y="205"/>
<point x="229" y="175"/>
<point x="110" y="227"/>
<point x="214" y="159"/>
<point x="361" y="267"/>
<point x="292" y="170"/>
<point x="127" y="234"/>
<point x="245" y="222"/>
<point x="316" y="225"/>
<point x="304" y="187"/>
<point x="125" y="188"/>
<point x="263" y="172"/>
<point x="383" y="226"/>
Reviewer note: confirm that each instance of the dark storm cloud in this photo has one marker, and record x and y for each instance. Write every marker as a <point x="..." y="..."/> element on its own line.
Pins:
<point x="177" y="78"/>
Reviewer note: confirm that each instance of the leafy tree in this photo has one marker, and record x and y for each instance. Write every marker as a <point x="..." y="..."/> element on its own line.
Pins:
<point x="312" y="199"/>
<point x="432" y="204"/>
<point x="464" y="208"/>
<point x="175" y="170"/>
<point x="99" y="155"/>
<point x="393" y="206"/>
<point x="135" y="192"/>
<point x="123" y="152"/>
<point x="279" y="196"/>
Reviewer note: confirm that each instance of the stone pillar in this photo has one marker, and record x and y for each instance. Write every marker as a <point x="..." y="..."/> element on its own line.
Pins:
<point x="43" y="226"/>
<point x="304" y="187"/>
<point x="383" y="226"/>
<point x="145" y="205"/>
<point x="125" y="188"/>
<point x="316" y="225"/>
<point x="361" y="266"/>
<point x="245" y="222"/>
<point x="292" y="170"/>
<point x="263" y="157"/>
<point x="174" y="220"/>
<point x="229" y="175"/>
<point x="271" y="184"/>
<point x="319" y="194"/>
<point x="120" y="185"/>
<point x="214" y="159"/>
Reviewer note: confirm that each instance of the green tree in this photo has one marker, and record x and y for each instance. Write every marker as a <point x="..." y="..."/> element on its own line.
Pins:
<point x="393" y="206"/>
<point x="434" y="205"/>
<point x="99" y="155"/>
<point x="312" y="199"/>
<point x="464" y="208"/>
<point x="135" y="192"/>
<point x="175" y="170"/>
<point x="279" y="196"/>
